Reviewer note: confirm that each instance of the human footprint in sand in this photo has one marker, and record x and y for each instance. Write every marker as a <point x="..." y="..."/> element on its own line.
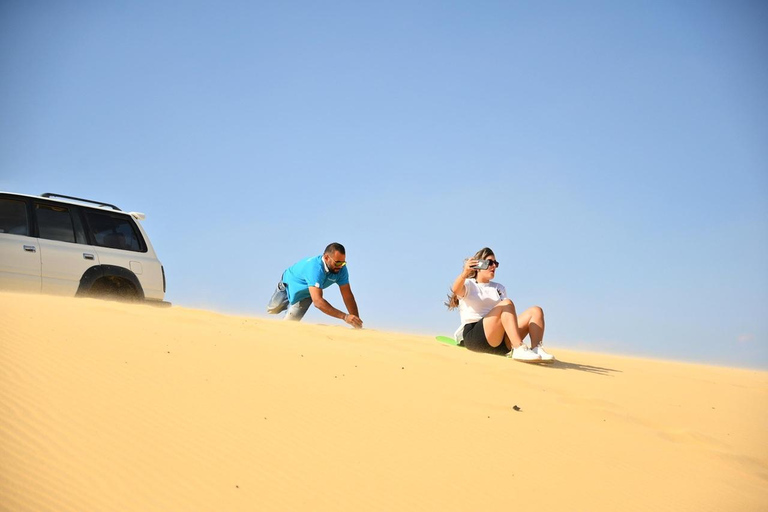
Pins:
<point x="302" y="285"/>
<point x="489" y="321"/>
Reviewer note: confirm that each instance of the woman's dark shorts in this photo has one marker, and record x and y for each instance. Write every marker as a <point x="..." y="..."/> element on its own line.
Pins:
<point x="475" y="340"/>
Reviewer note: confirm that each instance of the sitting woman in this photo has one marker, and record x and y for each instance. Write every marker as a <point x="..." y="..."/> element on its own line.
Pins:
<point x="489" y="322"/>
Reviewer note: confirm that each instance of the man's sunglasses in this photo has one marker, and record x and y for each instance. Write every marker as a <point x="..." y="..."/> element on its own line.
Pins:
<point x="337" y="264"/>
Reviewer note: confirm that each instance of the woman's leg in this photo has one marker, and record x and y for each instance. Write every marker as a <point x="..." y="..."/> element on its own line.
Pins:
<point x="501" y="321"/>
<point x="531" y="322"/>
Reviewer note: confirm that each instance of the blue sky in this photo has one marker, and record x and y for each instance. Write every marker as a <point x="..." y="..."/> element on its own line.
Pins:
<point x="613" y="154"/>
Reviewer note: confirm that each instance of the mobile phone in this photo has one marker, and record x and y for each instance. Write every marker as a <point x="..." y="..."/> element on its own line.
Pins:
<point x="482" y="265"/>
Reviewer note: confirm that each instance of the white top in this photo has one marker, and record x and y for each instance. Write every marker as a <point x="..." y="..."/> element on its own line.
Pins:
<point x="479" y="300"/>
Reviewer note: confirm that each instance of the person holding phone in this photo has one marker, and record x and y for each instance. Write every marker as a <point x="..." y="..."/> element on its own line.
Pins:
<point x="302" y="285"/>
<point x="489" y="321"/>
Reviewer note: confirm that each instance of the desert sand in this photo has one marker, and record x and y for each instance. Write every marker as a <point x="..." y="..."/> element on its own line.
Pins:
<point x="121" y="407"/>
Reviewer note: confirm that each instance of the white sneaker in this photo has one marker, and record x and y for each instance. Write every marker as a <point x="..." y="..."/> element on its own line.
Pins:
<point x="546" y="357"/>
<point x="524" y="354"/>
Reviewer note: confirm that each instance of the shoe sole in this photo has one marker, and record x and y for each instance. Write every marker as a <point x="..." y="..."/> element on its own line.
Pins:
<point x="535" y="361"/>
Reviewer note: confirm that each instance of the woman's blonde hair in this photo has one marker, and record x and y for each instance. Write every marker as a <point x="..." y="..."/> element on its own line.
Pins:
<point x="453" y="299"/>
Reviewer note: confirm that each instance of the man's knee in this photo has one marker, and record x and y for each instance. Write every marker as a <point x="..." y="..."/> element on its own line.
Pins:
<point x="294" y="314"/>
<point x="297" y="310"/>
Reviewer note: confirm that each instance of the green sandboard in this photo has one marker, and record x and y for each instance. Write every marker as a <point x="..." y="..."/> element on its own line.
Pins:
<point x="447" y="340"/>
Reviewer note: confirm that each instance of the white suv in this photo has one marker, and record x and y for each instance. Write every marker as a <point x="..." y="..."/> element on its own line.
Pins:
<point x="59" y="245"/>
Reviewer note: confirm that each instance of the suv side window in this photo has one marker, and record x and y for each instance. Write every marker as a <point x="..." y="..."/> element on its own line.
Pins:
<point x="13" y="217"/>
<point x="114" y="230"/>
<point x="54" y="223"/>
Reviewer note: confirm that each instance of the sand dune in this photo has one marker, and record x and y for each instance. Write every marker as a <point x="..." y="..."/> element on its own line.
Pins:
<point x="109" y="406"/>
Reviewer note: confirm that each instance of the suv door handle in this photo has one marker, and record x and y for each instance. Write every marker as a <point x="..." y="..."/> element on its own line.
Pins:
<point x="30" y="248"/>
<point x="88" y="256"/>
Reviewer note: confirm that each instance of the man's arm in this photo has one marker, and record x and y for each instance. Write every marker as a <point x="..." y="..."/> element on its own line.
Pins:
<point x="349" y="299"/>
<point x="323" y="305"/>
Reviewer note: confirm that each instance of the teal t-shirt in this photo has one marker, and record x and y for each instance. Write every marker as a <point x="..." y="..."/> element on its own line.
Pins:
<point x="311" y="272"/>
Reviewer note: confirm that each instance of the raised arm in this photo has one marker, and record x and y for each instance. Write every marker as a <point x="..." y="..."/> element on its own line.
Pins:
<point x="458" y="285"/>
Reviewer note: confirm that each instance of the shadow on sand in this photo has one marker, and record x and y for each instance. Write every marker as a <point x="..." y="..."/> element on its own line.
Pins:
<point x="564" y="365"/>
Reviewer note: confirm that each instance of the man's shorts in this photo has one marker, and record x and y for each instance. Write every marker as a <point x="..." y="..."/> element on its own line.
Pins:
<point x="475" y="340"/>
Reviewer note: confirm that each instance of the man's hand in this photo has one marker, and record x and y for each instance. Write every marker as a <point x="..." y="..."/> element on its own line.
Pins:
<point x="354" y="321"/>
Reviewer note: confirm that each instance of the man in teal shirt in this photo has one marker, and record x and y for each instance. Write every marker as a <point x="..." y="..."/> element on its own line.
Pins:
<point x="302" y="284"/>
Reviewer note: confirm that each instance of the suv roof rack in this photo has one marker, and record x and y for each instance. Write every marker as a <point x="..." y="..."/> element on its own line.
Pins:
<point x="49" y="194"/>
